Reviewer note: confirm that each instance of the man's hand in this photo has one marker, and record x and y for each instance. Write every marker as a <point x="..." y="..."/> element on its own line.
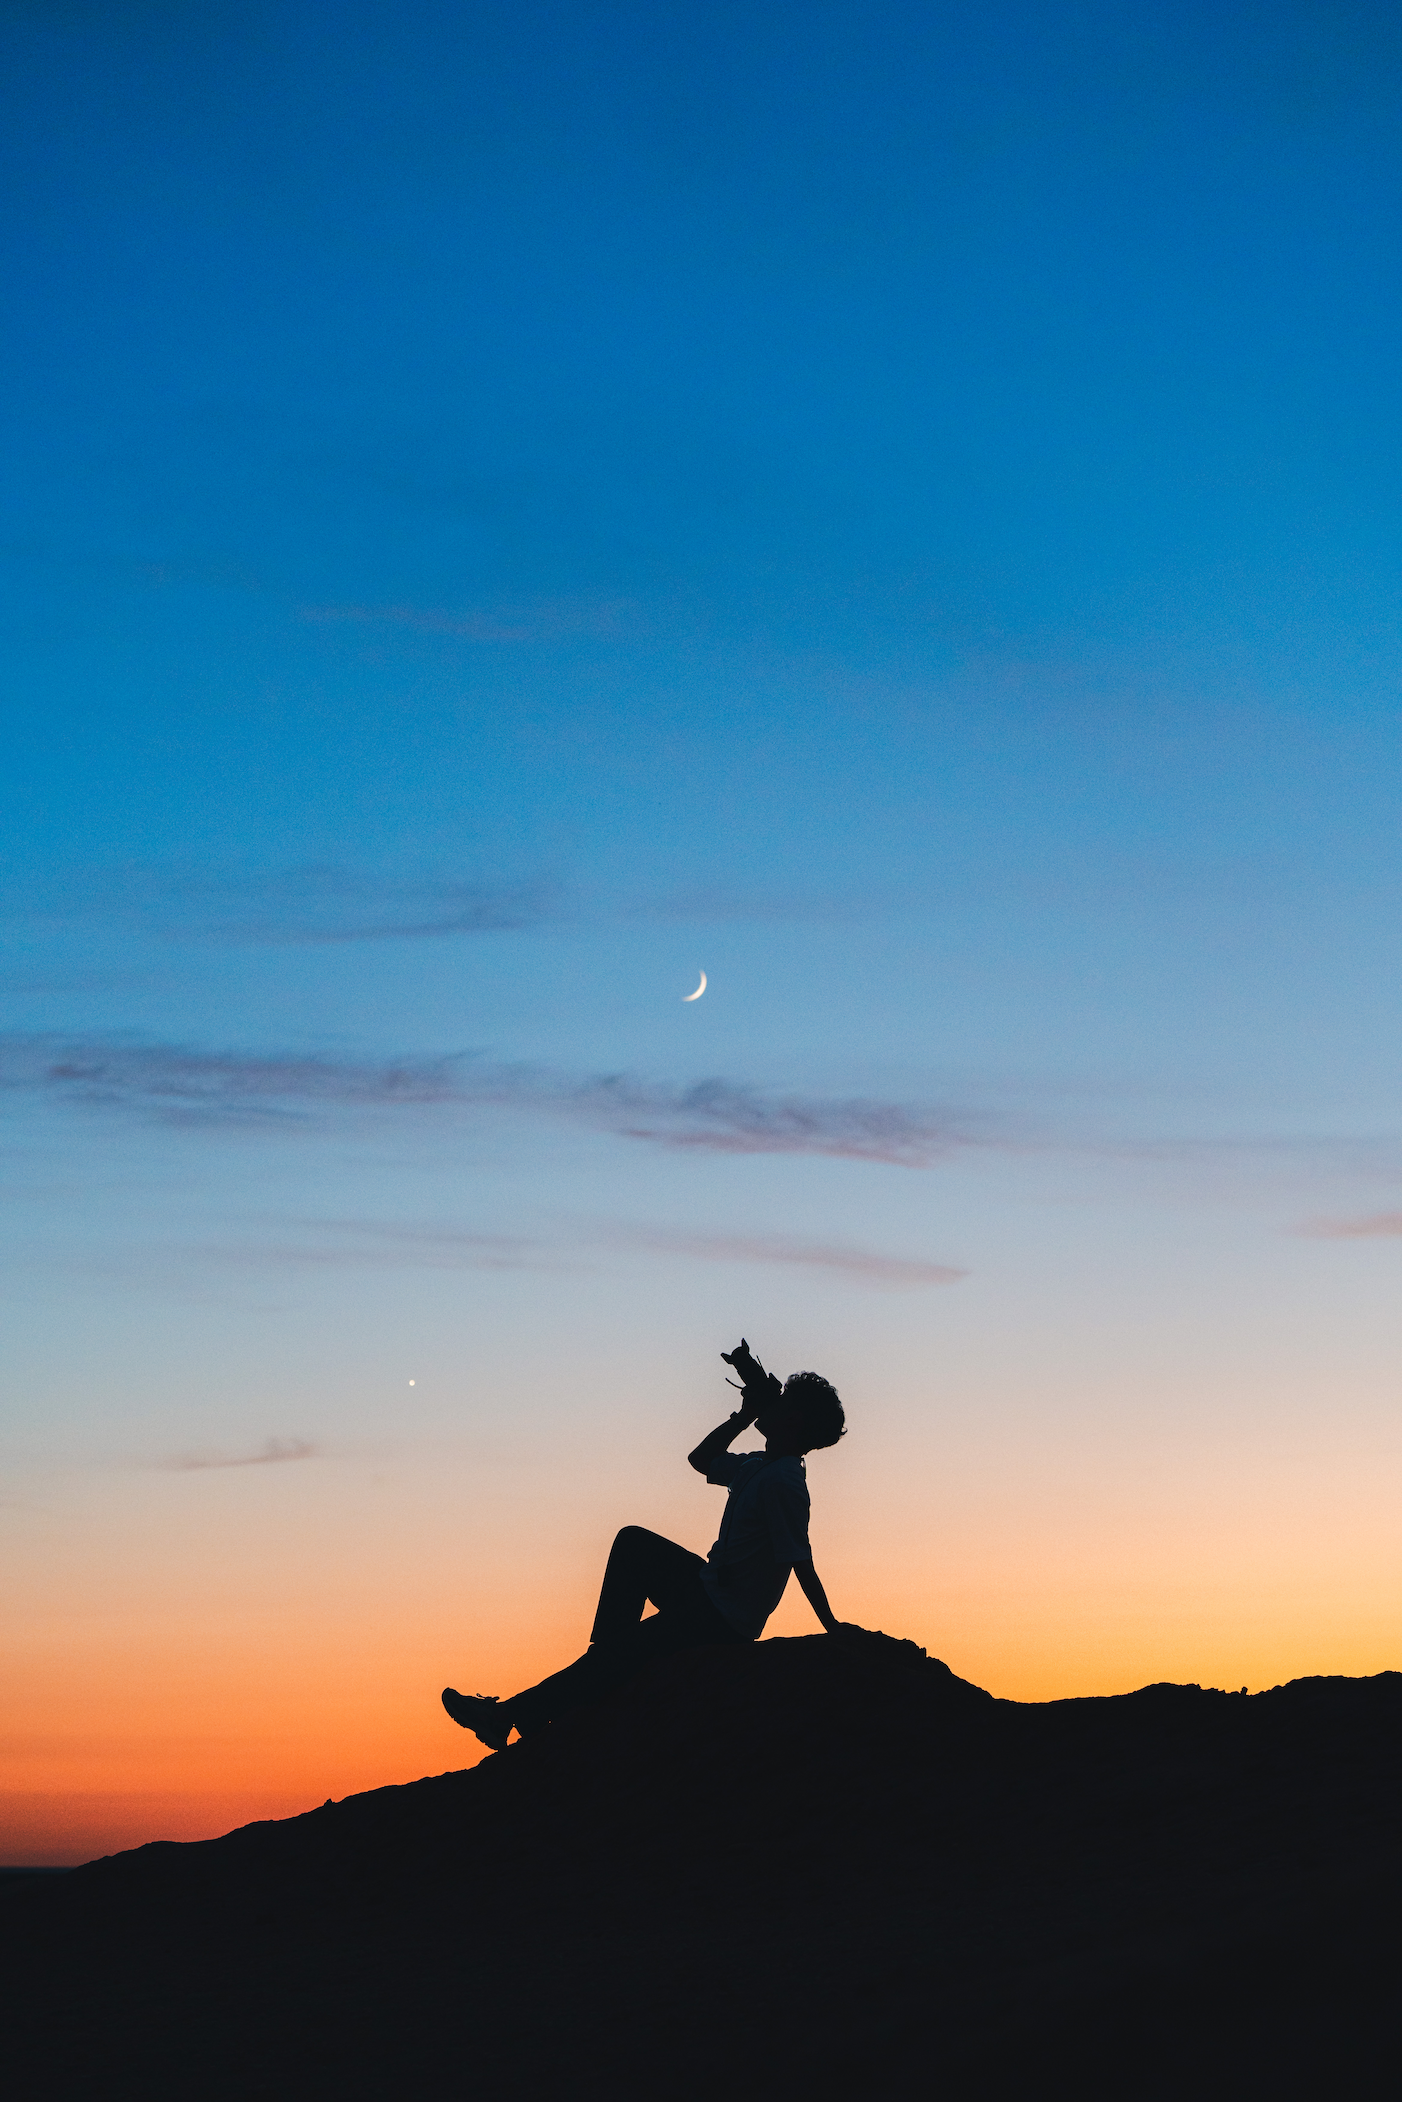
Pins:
<point x="811" y="1585"/>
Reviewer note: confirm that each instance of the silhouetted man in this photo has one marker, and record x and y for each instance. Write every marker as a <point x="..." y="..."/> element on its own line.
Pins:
<point x="726" y="1598"/>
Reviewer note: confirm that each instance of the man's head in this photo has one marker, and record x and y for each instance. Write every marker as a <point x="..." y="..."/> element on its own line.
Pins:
<point x="805" y="1416"/>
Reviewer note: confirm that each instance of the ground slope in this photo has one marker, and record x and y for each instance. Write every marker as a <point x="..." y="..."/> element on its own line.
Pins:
<point x="797" y="1869"/>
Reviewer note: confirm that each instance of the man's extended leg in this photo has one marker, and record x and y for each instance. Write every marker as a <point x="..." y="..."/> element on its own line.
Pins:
<point x="604" y="1666"/>
<point x="641" y="1566"/>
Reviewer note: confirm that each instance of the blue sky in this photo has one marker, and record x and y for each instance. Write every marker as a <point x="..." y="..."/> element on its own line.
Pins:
<point x="506" y="508"/>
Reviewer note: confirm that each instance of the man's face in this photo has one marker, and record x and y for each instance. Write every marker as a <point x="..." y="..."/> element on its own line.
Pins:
<point x="780" y="1422"/>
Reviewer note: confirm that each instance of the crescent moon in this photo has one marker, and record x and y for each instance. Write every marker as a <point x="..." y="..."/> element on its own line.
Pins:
<point x="699" y="990"/>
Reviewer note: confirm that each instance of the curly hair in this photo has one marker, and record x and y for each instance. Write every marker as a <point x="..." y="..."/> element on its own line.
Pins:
<point x="823" y="1418"/>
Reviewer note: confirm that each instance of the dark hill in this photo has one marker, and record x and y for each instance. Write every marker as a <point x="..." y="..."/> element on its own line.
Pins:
<point x="803" y="1869"/>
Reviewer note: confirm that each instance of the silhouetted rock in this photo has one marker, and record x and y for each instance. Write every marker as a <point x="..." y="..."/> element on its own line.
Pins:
<point x="799" y="1869"/>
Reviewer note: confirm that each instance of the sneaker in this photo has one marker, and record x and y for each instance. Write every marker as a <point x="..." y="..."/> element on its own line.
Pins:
<point x="480" y="1713"/>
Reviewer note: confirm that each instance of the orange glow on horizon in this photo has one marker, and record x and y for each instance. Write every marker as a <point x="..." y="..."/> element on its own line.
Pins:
<point x="187" y="1652"/>
<point x="108" y="1751"/>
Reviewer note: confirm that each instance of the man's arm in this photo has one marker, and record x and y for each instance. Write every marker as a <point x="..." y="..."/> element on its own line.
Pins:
<point x="812" y="1585"/>
<point x="722" y="1437"/>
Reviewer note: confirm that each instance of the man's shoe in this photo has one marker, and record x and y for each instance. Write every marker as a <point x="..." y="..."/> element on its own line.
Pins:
<point x="480" y="1713"/>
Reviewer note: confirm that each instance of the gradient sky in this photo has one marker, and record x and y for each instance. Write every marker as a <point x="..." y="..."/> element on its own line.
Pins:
<point x="506" y="507"/>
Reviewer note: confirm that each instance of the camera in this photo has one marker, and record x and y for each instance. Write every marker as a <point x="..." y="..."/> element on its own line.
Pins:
<point x="759" y="1386"/>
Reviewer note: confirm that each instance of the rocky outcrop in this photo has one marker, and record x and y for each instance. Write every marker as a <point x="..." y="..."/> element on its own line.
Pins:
<point x="803" y="1869"/>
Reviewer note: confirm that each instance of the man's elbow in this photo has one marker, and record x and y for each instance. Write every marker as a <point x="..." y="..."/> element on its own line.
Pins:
<point x="697" y="1460"/>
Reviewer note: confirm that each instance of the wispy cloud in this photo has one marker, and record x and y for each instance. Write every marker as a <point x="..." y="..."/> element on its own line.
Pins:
<point x="179" y="1085"/>
<point x="863" y="1265"/>
<point x="275" y="1451"/>
<point x="339" y="1242"/>
<point x="722" y="1116"/>
<point x="1376" y="1226"/>
<point x="319" y="905"/>
<point x="297" y="907"/>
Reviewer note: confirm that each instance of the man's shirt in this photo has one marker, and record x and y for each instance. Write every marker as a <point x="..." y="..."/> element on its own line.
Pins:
<point x="763" y="1533"/>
